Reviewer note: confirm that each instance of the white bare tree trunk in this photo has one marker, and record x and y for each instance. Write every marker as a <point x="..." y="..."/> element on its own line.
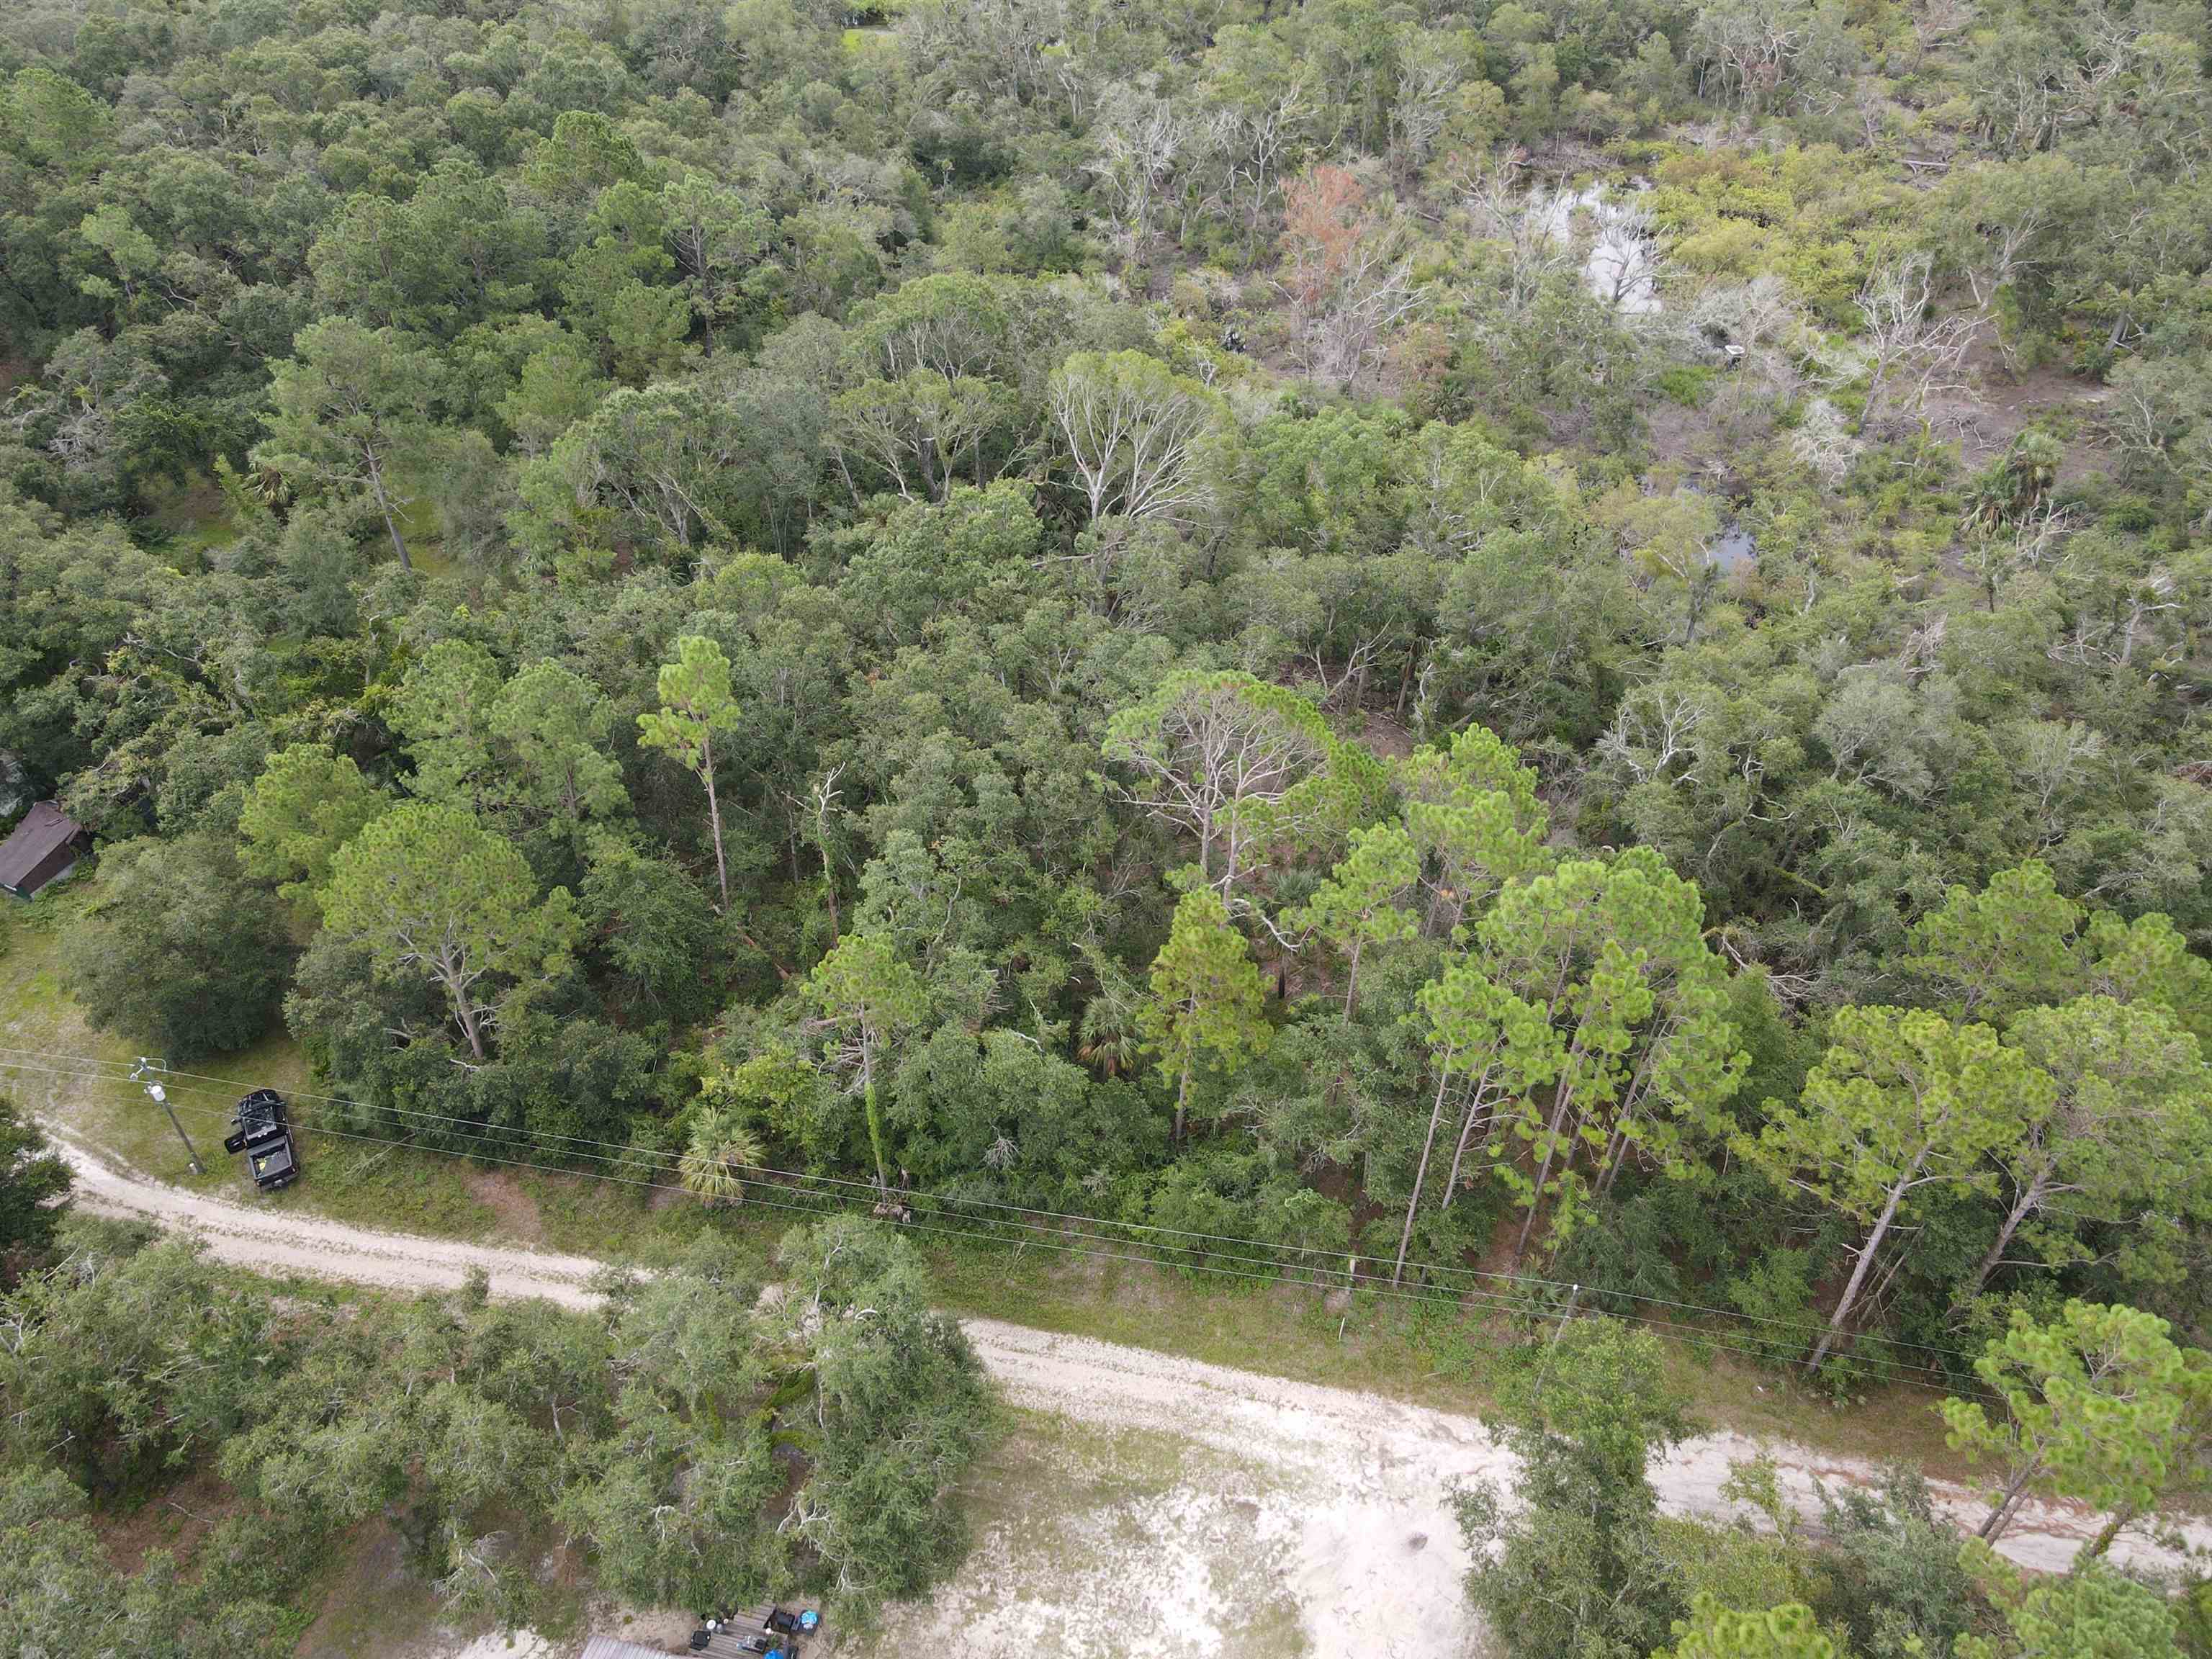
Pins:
<point x="1913" y="356"/>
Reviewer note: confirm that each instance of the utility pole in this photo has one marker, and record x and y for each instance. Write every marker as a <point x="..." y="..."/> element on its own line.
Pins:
<point x="160" y="1096"/>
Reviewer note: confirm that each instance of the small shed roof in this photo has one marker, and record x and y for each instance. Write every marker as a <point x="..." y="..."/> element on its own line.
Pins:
<point x="613" y="1647"/>
<point x="45" y="831"/>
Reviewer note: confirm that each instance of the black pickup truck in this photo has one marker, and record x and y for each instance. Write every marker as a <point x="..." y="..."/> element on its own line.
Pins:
<point x="262" y="1132"/>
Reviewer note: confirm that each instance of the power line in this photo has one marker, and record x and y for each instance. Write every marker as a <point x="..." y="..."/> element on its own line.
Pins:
<point x="1906" y="1373"/>
<point x="632" y="1156"/>
<point x="939" y="1212"/>
<point x="637" y="1157"/>
<point x="828" y="1204"/>
<point x="1896" y="1372"/>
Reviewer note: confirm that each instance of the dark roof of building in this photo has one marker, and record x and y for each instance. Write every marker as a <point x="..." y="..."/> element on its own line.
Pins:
<point x="44" y="830"/>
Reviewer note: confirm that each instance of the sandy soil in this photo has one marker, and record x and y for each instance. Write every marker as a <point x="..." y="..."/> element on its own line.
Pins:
<point x="1996" y="408"/>
<point x="1094" y="1542"/>
<point x="1339" y="1497"/>
<point x="1390" y="1463"/>
<point x="500" y="1192"/>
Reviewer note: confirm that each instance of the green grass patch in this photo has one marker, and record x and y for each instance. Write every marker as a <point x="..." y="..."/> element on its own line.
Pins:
<point x="373" y="1604"/>
<point x="57" y="1065"/>
<point x="425" y="534"/>
<point x="1686" y="383"/>
<point x="1427" y="1353"/>
<point x="193" y="517"/>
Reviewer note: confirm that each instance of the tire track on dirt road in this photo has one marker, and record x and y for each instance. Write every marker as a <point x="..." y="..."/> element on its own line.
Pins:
<point x="1403" y="1454"/>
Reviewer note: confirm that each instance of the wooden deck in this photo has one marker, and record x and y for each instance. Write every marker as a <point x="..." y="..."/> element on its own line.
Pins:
<point x="745" y="1635"/>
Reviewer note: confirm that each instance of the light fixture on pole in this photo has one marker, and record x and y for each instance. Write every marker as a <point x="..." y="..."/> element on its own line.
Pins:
<point x="160" y="1096"/>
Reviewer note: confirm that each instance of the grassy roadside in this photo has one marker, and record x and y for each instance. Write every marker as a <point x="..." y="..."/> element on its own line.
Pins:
<point x="58" y="1066"/>
<point x="1420" y="1352"/>
<point x="1423" y="1354"/>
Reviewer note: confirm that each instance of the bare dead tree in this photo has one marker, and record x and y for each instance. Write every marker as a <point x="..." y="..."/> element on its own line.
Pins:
<point x="1236" y="155"/>
<point x="1936" y="21"/>
<point x="2099" y="638"/>
<point x="1744" y="49"/>
<point x="1649" y="737"/>
<point x="1377" y="294"/>
<point x="1218" y="755"/>
<point x="1428" y="77"/>
<point x="1136" y="137"/>
<point x="2006" y="240"/>
<point x="992" y="49"/>
<point x="1824" y="443"/>
<point x="1921" y="654"/>
<point x="1623" y="266"/>
<point x="1344" y="272"/>
<point x="2053" y="758"/>
<point x="1522" y="223"/>
<point x="1135" y="433"/>
<point x="1913" y="354"/>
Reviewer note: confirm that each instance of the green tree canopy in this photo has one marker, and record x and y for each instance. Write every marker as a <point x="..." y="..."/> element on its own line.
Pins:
<point x="1207" y="1002"/>
<point x="443" y="709"/>
<point x="866" y="996"/>
<point x="2092" y="1612"/>
<point x="1571" y="1566"/>
<point x="1360" y="904"/>
<point x="429" y="893"/>
<point x="1713" y="1632"/>
<point x="696" y="705"/>
<point x="556" y="727"/>
<point x="2123" y="1126"/>
<point x="2019" y="942"/>
<point x="350" y="410"/>
<point x="900" y="1411"/>
<point x="33" y="1183"/>
<point x="1902" y="1101"/>
<point x="2094" y="1400"/>
<point x="305" y="804"/>
<point x="1644" y="1055"/>
<point x="177" y="951"/>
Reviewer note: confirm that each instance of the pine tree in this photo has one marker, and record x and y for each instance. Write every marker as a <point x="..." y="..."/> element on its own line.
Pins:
<point x="1904" y="1100"/>
<point x="1208" y="998"/>
<point x="696" y="704"/>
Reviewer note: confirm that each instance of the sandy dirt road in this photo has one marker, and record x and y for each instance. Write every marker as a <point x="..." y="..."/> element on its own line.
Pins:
<point x="1372" y="1474"/>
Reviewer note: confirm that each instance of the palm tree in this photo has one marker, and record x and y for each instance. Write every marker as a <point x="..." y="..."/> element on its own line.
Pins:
<point x="723" y="1149"/>
<point x="1108" y="1036"/>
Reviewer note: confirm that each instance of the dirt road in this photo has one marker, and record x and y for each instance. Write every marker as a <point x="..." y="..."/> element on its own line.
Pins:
<point x="1385" y="1466"/>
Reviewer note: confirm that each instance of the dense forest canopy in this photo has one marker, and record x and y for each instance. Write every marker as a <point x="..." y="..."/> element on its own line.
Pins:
<point x="708" y="1436"/>
<point x="1564" y="636"/>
